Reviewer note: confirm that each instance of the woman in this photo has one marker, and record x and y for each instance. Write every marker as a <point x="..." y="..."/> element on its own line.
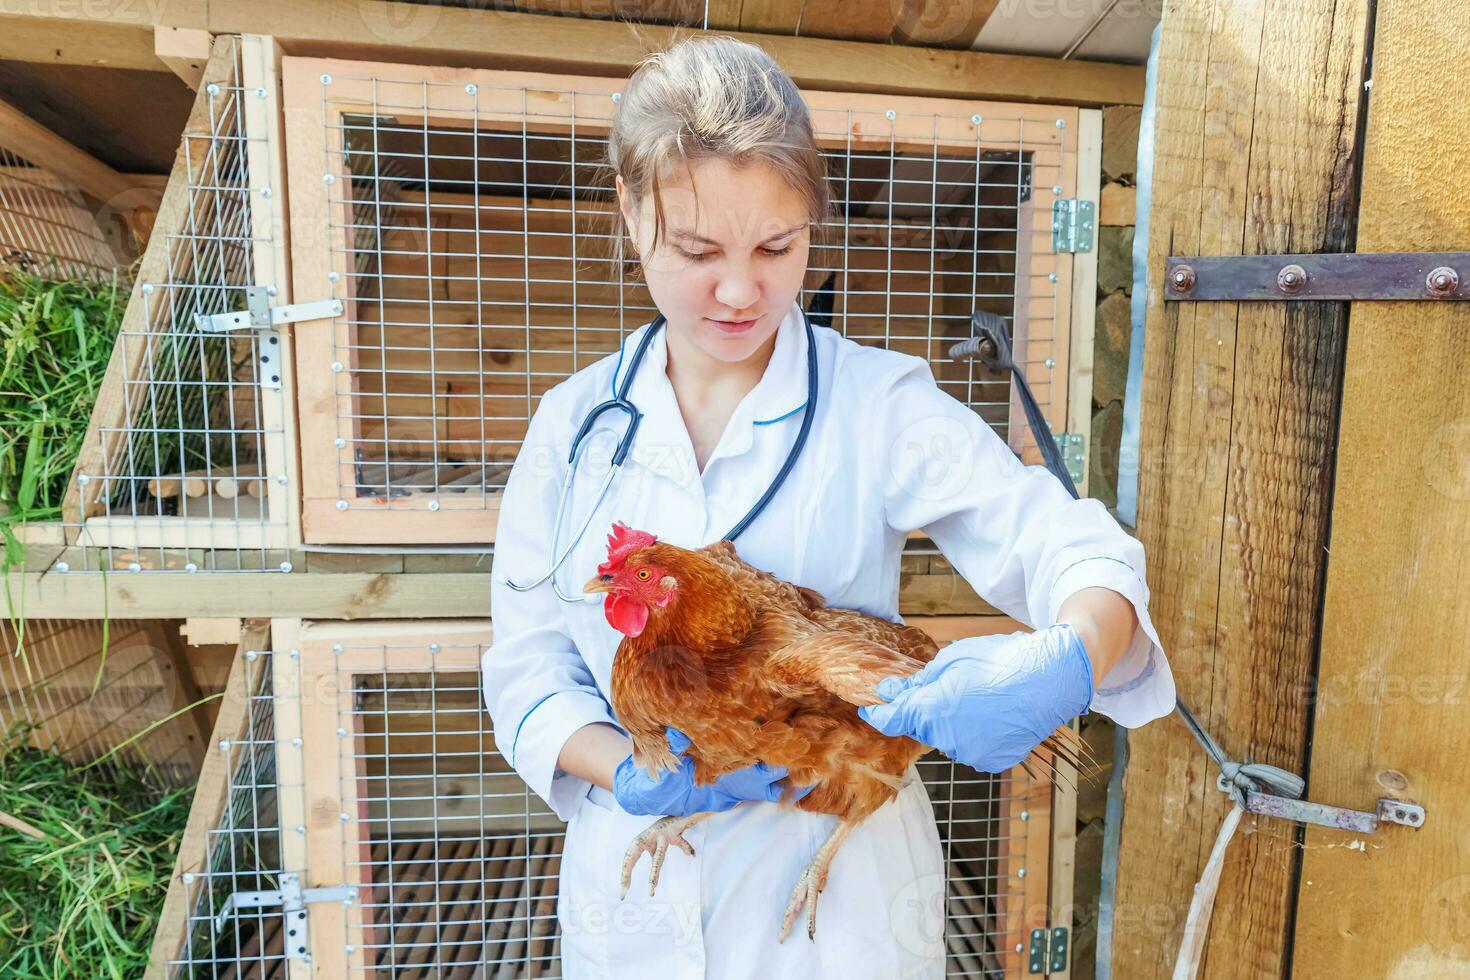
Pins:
<point x="721" y="188"/>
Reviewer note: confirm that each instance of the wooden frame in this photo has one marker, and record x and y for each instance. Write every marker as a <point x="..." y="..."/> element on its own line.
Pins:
<point x="147" y="318"/>
<point x="315" y="663"/>
<point x="331" y="412"/>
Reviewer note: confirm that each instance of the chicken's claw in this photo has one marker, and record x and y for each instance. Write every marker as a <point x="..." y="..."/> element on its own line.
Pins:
<point x="813" y="879"/>
<point x="655" y="841"/>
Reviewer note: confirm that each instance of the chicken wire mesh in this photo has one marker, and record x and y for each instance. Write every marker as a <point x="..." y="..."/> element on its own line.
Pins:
<point x="178" y="471"/>
<point x="469" y="223"/>
<point x="446" y="862"/>
<point x="47" y="226"/>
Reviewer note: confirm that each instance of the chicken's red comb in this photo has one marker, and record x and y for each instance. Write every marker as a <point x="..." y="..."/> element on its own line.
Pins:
<point x="621" y="543"/>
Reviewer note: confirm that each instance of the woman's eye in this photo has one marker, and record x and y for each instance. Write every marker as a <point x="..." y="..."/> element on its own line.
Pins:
<point x="701" y="256"/>
<point x="777" y="251"/>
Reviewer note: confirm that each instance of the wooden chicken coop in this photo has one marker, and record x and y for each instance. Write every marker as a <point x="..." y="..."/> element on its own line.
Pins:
<point x="364" y="273"/>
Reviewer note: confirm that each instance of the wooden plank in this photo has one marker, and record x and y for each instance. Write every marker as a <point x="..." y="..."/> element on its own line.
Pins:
<point x="1390" y="694"/>
<point x="23" y="135"/>
<point x="142" y="316"/>
<point x="351" y="596"/>
<point x="942" y="23"/>
<point x="1256" y="120"/>
<point x="477" y="37"/>
<point x="854" y="20"/>
<point x="209" y="801"/>
<point x="185" y="50"/>
<point x="1077" y="414"/>
<point x="193" y="726"/>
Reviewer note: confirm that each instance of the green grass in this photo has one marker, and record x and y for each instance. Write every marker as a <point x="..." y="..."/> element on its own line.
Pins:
<point x="84" y="900"/>
<point x="55" y="341"/>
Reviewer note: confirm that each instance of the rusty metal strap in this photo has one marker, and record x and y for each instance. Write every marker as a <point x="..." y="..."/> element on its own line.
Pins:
<point x="1436" y="276"/>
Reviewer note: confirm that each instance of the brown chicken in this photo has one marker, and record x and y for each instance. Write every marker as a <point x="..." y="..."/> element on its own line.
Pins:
<point x="752" y="668"/>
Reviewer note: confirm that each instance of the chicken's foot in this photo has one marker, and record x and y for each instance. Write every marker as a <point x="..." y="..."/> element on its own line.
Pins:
<point x="655" y="841"/>
<point x="812" y="881"/>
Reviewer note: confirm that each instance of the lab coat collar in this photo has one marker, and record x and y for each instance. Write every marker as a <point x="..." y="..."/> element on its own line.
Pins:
<point x="663" y="443"/>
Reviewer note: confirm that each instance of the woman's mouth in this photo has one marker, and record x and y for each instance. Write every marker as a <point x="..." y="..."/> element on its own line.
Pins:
<point x="735" y="326"/>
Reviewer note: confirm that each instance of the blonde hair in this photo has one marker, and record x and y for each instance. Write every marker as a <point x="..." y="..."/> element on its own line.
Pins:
<point x="712" y="97"/>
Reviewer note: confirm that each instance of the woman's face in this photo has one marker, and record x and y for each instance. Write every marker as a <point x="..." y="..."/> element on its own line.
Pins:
<point x="731" y="257"/>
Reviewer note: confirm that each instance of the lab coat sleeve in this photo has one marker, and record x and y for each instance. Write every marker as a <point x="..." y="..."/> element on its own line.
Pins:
<point x="537" y="688"/>
<point x="1013" y="531"/>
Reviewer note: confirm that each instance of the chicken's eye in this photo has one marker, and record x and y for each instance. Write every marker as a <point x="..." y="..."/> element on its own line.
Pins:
<point x="644" y="574"/>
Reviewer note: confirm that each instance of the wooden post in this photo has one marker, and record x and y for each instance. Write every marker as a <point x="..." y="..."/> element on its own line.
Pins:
<point x="1257" y="114"/>
<point x="1391" y="696"/>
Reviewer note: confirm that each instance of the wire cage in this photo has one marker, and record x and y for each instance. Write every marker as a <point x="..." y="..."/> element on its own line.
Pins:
<point x="369" y="792"/>
<point x="465" y="221"/>
<point x="186" y="464"/>
<point x="46" y="226"/>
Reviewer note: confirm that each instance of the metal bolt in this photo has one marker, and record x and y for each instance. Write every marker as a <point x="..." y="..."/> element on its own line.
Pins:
<point x="188" y="877"/>
<point x="341" y="733"/>
<point x="281" y="479"/>
<point x="333" y="276"/>
<point x="294" y="654"/>
<point x="1291" y="279"/>
<point x="212" y="89"/>
<point x="83" y="479"/>
<point x="890" y="114"/>
<point x="617" y="96"/>
<point x="1442" y="281"/>
<point x="191" y="567"/>
<point x="147" y="288"/>
<point x="1021" y="873"/>
<point x="301" y="829"/>
<point x="1025" y="815"/>
<point x="134" y="567"/>
<point x="433" y="505"/>
<point x="975" y="120"/>
<point x="224" y="745"/>
<point x="328" y="179"/>
<point x="326" y="79"/>
<point x="1020" y="948"/>
<point x="1050" y="362"/>
<point x="472" y="89"/>
<point x="341" y="505"/>
<point x="265" y="192"/>
<point x="433" y="648"/>
<point x="1182" y="279"/>
<point x="286" y="566"/>
<point x="295" y="743"/>
<point x="339" y="442"/>
<point x="250" y="656"/>
<point x="351" y="950"/>
<point x="1052" y="276"/>
<point x="63" y="567"/>
<point x="1061" y="124"/>
<point x="336" y="365"/>
<point x="259" y="92"/>
<point x="1056" y="188"/>
<point x="336" y="648"/>
<point x="343" y="818"/>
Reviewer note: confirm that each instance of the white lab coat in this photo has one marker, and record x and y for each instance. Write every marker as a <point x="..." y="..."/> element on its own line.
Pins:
<point x="888" y="452"/>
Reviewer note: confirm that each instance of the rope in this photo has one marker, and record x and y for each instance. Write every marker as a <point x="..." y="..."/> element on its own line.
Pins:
<point x="1238" y="778"/>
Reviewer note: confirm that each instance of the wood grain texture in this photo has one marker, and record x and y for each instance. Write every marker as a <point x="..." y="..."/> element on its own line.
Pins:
<point x="1257" y="114"/>
<point x="1391" y="696"/>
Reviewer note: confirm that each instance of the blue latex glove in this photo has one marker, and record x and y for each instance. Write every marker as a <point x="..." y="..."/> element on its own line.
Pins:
<point x="987" y="701"/>
<point x="675" y="794"/>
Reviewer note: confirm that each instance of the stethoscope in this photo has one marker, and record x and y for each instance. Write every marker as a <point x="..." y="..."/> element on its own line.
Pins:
<point x="620" y="402"/>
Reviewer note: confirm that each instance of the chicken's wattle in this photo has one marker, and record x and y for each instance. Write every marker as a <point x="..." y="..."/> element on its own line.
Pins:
<point x="627" y="615"/>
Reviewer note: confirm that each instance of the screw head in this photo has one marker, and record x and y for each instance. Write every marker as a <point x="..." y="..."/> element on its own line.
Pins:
<point x="343" y="818"/>
<point x="1442" y="281"/>
<point x="975" y="120"/>
<point x="326" y="79"/>
<point x="295" y="743"/>
<point x="147" y="287"/>
<point x="63" y="567"/>
<point x="250" y="656"/>
<point x="259" y="92"/>
<point x="285" y="566"/>
<point x="1021" y="873"/>
<point x="890" y="115"/>
<point x="471" y="89"/>
<point x="617" y="96"/>
<point x="1050" y="362"/>
<point x="1025" y="815"/>
<point x="1182" y="279"/>
<point x="134" y="567"/>
<point x="339" y="442"/>
<point x="328" y="179"/>
<point x="191" y="567"/>
<point x="83" y="479"/>
<point x="1291" y="279"/>
<point x="265" y="192"/>
<point x="341" y="505"/>
<point x="1061" y="124"/>
<point x="337" y="366"/>
<point x="341" y="733"/>
<point x="212" y="89"/>
<point x="301" y="829"/>
<point x="433" y="505"/>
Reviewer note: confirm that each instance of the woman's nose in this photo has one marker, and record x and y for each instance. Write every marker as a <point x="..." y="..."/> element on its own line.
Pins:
<point x="737" y="290"/>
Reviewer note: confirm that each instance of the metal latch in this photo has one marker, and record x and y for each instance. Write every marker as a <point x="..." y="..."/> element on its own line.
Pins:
<point x="261" y="316"/>
<point x="1360" y="821"/>
<point x="1346" y="276"/>
<point x="1073" y="225"/>
<point x="1073" y="446"/>
<point x="1048" y="950"/>
<point x="292" y="899"/>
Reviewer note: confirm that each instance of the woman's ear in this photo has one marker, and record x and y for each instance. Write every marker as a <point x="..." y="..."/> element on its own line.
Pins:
<point x="625" y="205"/>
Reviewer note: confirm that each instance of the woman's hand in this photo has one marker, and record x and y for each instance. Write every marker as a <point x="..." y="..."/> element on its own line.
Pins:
<point x="987" y="701"/>
<point x="675" y="794"/>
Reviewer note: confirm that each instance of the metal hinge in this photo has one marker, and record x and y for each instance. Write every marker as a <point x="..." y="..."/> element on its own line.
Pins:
<point x="1073" y="225"/>
<point x="292" y="899"/>
<point x="1074" y="454"/>
<point x="1048" y="951"/>
<point x="1414" y="276"/>
<point x="261" y="316"/>
<point x="1388" y="810"/>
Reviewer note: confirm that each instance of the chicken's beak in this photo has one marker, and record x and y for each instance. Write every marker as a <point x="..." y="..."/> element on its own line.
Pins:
<point x="599" y="583"/>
